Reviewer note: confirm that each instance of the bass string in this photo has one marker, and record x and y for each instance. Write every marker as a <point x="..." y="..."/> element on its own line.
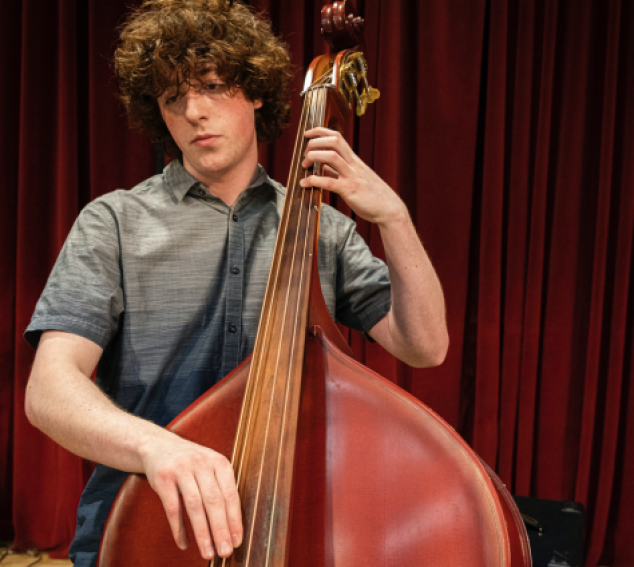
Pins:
<point x="298" y="252"/>
<point x="245" y="421"/>
<point x="252" y="386"/>
<point x="256" y="500"/>
<point x="297" y="170"/>
<point x="317" y="109"/>
<point x="298" y="315"/>
<point x="311" y="113"/>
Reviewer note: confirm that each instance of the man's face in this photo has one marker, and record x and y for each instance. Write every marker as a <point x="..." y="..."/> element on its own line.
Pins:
<point x="213" y="127"/>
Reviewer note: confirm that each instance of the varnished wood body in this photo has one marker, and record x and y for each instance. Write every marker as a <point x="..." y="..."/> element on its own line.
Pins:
<point x="379" y="479"/>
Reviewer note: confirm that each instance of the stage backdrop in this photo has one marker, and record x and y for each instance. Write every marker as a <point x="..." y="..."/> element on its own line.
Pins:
<point x="508" y="129"/>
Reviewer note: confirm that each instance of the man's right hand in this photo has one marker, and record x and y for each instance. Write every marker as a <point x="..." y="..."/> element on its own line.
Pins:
<point x="183" y="473"/>
<point x="64" y="403"/>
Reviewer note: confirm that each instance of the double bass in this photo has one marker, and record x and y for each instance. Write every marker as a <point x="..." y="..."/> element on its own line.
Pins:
<point x="335" y="465"/>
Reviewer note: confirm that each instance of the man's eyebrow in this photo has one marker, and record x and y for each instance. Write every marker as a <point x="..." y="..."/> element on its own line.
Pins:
<point x="208" y="70"/>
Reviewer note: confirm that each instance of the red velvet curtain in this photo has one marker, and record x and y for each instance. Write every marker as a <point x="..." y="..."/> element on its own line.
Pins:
<point x="508" y="129"/>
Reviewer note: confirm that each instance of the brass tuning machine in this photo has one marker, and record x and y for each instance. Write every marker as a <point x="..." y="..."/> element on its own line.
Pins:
<point x="354" y="84"/>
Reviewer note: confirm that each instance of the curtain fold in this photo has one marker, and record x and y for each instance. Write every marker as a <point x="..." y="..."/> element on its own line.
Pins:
<point x="506" y="127"/>
<point x="56" y="177"/>
<point x="46" y="207"/>
<point x="10" y="26"/>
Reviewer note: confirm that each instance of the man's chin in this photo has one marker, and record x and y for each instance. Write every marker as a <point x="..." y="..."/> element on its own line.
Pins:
<point x="208" y="168"/>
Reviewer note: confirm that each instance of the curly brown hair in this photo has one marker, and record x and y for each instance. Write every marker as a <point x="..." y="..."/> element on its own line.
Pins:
<point x="164" y="38"/>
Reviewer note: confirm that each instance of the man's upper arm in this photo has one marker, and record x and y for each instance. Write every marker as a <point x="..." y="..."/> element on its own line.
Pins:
<point x="363" y="283"/>
<point x="84" y="295"/>
<point x="380" y="333"/>
<point x="60" y="359"/>
<point x="59" y="347"/>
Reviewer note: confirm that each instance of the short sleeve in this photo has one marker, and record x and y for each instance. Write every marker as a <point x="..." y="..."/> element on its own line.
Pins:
<point x="83" y="294"/>
<point x="363" y="284"/>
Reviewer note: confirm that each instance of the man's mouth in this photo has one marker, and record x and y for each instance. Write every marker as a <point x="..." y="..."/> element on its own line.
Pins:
<point x="205" y="139"/>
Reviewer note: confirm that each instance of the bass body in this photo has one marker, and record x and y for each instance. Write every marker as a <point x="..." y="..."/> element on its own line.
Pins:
<point x="380" y="479"/>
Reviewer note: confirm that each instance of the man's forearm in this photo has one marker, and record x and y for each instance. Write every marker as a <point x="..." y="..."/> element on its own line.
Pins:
<point x="416" y="324"/>
<point x="415" y="329"/>
<point x="67" y="406"/>
<point x="64" y="403"/>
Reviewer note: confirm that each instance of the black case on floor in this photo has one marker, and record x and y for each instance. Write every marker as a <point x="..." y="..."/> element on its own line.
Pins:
<point x="558" y="541"/>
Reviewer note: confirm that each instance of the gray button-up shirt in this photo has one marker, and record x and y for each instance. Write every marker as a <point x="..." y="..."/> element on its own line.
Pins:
<point x="169" y="280"/>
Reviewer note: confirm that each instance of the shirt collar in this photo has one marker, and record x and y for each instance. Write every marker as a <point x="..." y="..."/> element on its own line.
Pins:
<point x="180" y="181"/>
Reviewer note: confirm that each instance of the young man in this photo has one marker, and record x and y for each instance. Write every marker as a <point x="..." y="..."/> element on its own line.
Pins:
<point x="162" y="285"/>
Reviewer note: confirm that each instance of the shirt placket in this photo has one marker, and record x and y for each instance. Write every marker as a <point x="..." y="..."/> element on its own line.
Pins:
<point x="235" y="293"/>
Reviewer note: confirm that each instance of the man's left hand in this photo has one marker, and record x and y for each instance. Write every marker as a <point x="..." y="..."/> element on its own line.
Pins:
<point x="344" y="173"/>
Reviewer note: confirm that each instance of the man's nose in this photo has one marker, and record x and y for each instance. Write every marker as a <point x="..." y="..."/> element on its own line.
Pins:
<point x="195" y="106"/>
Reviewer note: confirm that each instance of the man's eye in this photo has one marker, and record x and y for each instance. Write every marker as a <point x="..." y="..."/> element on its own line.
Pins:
<point x="170" y="99"/>
<point x="215" y="87"/>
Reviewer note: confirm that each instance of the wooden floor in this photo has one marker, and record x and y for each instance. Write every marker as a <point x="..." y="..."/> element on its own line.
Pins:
<point x="22" y="560"/>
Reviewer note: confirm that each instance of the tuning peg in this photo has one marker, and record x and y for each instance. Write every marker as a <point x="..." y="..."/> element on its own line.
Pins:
<point x="371" y="94"/>
<point x="368" y="96"/>
<point x="358" y="24"/>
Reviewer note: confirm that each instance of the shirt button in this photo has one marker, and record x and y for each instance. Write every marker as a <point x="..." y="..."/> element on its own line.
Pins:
<point x="235" y="270"/>
<point x="235" y="218"/>
<point x="232" y="328"/>
<point x="201" y="192"/>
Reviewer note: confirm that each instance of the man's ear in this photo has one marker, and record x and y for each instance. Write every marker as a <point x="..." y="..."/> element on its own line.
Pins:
<point x="257" y="104"/>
